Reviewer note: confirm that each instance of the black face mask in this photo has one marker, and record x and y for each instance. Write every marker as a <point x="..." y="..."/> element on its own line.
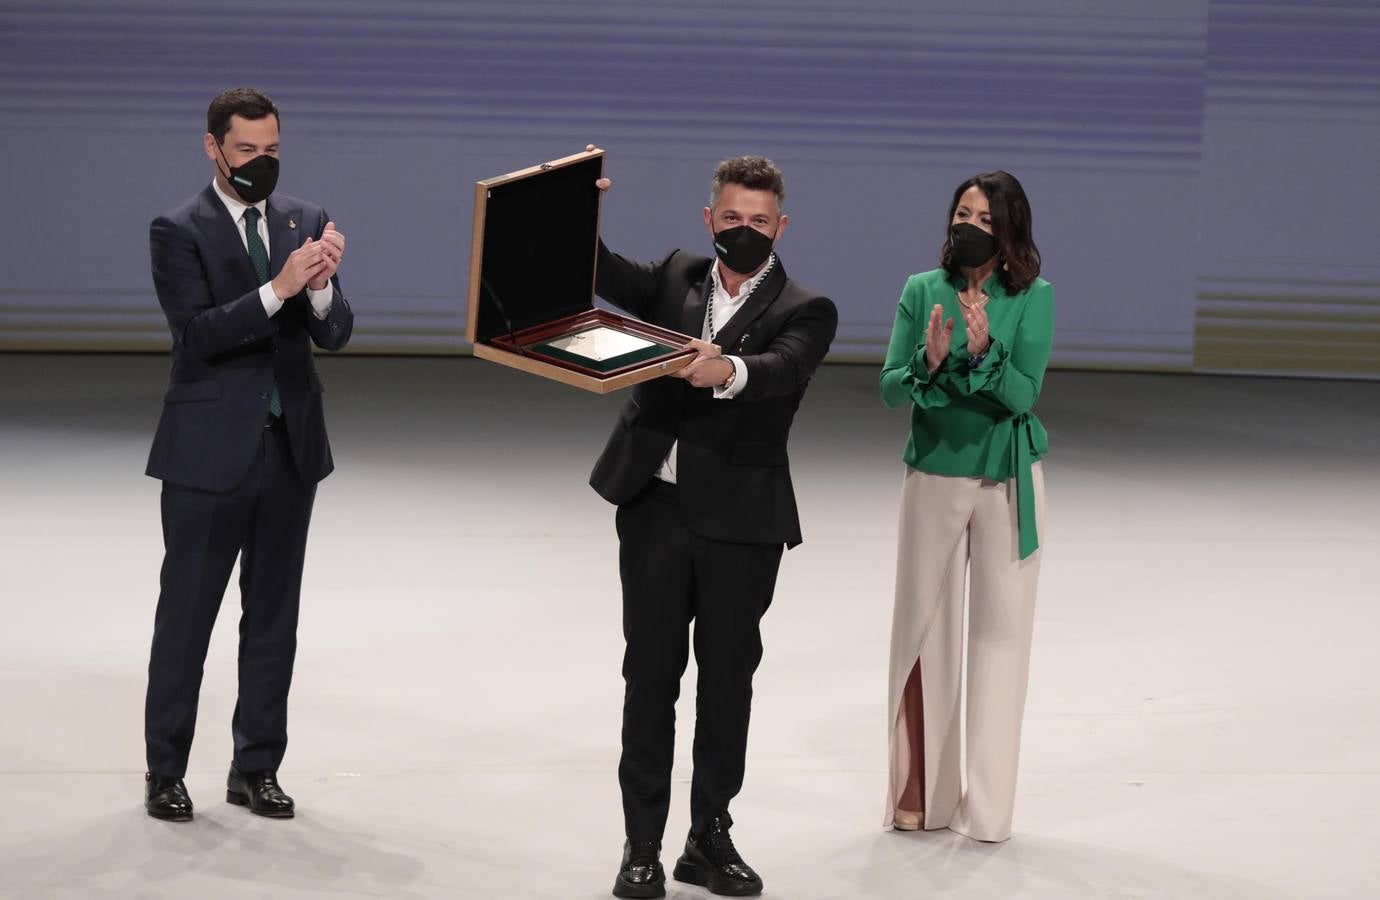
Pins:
<point x="254" y="180"/>
<point x="743" y="248"/>
<point x="971" y="245"/>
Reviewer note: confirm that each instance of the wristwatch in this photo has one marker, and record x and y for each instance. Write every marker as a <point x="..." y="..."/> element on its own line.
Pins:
<point x="732" y="377"/>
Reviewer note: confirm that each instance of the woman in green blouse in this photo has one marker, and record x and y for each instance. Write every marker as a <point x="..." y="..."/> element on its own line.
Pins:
<point x="967" y="355"/>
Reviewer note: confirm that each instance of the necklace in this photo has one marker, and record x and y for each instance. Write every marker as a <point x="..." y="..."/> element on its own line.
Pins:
<point x="714" y="292"/>
<point x="976" y="304"/>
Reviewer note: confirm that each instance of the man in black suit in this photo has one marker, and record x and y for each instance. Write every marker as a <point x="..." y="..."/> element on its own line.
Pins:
<point x="246" y="278"/>
<point x="697" y="466"/>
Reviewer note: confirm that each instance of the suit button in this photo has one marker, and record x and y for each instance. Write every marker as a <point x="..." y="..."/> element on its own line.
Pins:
<point x="335" y="326"/>
<point x="263" y="396"/>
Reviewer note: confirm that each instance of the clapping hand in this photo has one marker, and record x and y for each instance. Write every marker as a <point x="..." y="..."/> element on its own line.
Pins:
<point x="978" y="338"/>
<point x="302" y="267"/>
<point x="938" y="338"/>
<point x="332" y="245"/>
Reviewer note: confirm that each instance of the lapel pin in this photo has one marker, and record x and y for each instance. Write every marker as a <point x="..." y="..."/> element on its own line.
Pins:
<point x="292" y="223"/>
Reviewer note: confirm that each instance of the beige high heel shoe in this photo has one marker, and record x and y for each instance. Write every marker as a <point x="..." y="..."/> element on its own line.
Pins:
<point x="905" y="820"/>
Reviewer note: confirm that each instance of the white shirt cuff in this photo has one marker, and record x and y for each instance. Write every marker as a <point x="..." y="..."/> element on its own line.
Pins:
<point x="269" y="299"/>
<point x="321" y="300"/>
<point x="739" y="380"/>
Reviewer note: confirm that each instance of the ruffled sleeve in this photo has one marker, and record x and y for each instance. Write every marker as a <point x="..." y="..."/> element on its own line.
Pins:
<point x="1013" y="375"/>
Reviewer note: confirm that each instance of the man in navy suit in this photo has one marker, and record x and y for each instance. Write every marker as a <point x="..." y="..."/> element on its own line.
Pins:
<point x="247" y="280"/>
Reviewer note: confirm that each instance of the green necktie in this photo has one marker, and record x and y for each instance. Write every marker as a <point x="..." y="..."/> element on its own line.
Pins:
<point x="258" y="255"/>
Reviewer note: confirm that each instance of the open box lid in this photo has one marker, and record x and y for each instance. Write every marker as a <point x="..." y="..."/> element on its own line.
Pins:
<point x="536" y="237"/>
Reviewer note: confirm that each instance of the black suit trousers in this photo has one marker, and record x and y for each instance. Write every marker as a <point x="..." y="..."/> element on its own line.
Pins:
<point x="671" y="578"/>
<point x="264" y="522"/>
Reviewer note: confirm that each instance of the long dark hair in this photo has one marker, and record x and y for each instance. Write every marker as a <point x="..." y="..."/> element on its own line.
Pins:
<point x="1018" y="259"/>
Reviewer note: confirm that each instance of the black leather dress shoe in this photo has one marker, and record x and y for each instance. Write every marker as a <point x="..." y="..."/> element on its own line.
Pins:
<point x="260" y="792"/>
<point x="711" y="861"/>
<point x="166" y="798"/>
<point x="641" y="874"/>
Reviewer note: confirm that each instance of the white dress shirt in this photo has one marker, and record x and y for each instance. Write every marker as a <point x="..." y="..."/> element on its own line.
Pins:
<point x="724" y="306"/>
<point x="320" y="300"/>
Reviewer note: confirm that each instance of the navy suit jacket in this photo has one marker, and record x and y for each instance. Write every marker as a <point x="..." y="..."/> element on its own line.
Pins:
<point x="732" y="466"/>
<point x="227" y="353"/>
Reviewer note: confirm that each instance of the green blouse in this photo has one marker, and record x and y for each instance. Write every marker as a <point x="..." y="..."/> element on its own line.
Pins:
<point x="966" y="420"/>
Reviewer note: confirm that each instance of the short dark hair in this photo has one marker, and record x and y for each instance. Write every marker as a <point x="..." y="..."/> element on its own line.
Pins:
<point x="244" y="102"/>
<point x="753" y="172"/>
<point x="1018" y="258"/>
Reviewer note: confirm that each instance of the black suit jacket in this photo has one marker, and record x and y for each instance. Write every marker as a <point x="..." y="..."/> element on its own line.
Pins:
<point x="227" y="353"/>
<point x="732" y="467"/>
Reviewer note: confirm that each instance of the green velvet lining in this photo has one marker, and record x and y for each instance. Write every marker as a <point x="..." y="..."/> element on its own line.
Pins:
<point x="606" y="365"/>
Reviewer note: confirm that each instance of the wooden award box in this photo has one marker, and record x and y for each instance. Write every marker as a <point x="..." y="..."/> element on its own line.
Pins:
<point x="536" y="240"/>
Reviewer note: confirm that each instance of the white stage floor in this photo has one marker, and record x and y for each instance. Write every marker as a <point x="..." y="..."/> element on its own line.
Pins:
<point x="1204" y="714"/>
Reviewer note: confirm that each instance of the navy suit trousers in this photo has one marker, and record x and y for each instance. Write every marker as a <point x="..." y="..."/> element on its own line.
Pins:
<point x="263" y="521"/>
